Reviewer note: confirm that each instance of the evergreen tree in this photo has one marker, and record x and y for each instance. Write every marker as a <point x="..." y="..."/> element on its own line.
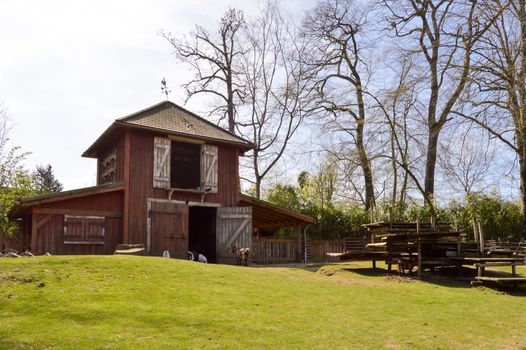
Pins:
<point x="45" y="181"/>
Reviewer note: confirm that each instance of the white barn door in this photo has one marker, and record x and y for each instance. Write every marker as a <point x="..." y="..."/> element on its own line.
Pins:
<point x="209" y="171"/>
<point x="161" y="162"/>
<point x="234" y="227"/>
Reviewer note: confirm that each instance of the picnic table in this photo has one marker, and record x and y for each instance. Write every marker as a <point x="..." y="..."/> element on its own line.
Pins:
<point x="482" y="262"/>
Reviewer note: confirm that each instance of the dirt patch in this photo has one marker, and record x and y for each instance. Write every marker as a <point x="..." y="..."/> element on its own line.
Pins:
<point x="347" y="280"/>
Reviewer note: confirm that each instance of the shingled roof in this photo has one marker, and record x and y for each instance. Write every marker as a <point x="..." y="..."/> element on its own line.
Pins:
<point x="172" y="119"/>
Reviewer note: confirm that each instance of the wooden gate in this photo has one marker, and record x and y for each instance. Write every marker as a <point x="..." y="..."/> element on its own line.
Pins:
<point x="234" y="227"/>
<point x="168" y="229"/>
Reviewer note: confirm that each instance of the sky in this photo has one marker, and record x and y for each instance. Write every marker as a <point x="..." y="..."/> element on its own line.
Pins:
<point x="69" y="68"/>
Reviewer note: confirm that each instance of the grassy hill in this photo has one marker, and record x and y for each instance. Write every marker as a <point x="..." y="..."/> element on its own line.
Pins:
<point x="143" y="302"/>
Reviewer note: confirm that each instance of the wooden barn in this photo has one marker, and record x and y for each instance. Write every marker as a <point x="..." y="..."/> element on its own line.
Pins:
<point x="167" y="179"/>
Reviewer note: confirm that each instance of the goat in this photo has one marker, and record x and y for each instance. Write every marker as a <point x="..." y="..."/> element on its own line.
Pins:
<point x="200" y="257"/>
<point x="241" y="254"/>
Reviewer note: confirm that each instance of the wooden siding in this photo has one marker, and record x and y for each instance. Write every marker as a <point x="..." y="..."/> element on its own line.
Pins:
<point x="274" y="251"/>
<point x="168" y="229"/>
<point x="20" y="242"/>
<point x="141" y="183"/>
<point x="118" y="148"/>
<point x="47" y="224"/>
<point x="234" y="227"/>
<point x="209" y="168"/>
<point x="50" y="237"/>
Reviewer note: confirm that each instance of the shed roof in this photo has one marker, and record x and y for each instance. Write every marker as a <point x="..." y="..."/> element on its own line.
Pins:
<point x="27" y="202"/>
<point x="266" y="215"/>
<point x="173" y="119"/>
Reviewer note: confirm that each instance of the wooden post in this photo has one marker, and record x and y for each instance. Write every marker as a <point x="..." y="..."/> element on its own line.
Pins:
<point x="419" y="247"/>
<point x="305" y="245"/>
<point x="34" y="243"/>
<point x="126" y="204"/>
<point x="298" y="243"/>
<point x="481" y="238"/>
<point x="390" y="217"/>
<point x="458" y="246"/>
<point x="475" y="231"/>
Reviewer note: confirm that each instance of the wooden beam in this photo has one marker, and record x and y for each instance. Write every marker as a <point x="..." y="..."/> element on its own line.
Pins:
<point x="419" y="248"/>
<point x="127" y="168"/>
<point x="78" y="212"/>
<point x="299" y="231"/>
<point x="34" y="229"/>
<point x="44" y="221"/>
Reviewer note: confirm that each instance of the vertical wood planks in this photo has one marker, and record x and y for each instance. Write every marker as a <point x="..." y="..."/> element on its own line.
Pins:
<point x="161" y="162"/>
<point x="234" y="227"/>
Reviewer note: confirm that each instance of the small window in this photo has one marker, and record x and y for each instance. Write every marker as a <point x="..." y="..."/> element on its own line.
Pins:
<point x="185" y="166"/>
<point x="84" y="229"/>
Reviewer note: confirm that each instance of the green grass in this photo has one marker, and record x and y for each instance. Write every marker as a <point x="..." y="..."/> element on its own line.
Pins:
<point x="147" y="303"/>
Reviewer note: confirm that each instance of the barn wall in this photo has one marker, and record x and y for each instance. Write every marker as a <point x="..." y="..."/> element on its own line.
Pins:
<point x="48" y="222"/>
<point x="118" y="147"/>
<point x="110" y="201"/>
<point x="141" y="183"/>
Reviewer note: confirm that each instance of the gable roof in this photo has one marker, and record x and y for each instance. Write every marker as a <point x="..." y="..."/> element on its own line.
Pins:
<point x="170" y="118"/>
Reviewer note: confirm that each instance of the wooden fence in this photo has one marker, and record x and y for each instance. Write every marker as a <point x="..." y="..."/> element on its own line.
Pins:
<point x="280" y="251"/>
<point x="19" y="243"/>
<point x="317" y="250"/>
<point x="274" y="251"/>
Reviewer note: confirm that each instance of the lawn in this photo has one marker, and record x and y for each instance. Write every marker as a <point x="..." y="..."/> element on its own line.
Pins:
<point x="123" y="302"/>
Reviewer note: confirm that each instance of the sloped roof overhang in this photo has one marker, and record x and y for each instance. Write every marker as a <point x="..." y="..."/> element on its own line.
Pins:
<point x="129" y="122"/>
<point x="21" y="205"/>
<point x="266" y="215"/>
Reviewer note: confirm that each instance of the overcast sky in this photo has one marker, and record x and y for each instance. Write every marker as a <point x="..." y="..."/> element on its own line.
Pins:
<point x="69" y="68"/>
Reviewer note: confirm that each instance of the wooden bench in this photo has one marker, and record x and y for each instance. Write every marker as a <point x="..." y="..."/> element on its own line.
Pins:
<point x="503" y="280"/>
<point x="482" y="266"/>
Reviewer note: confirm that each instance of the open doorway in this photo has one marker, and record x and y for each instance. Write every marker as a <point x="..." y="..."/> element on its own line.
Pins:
<point x="202" y="231"/>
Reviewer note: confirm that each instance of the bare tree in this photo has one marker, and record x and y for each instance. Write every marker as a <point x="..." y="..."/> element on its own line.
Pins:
<point x="213" y="58"/>
<point x="398" y="104"/>
<point x="277" y="94"/>
<point x="336" y="35"/>
<point x="444" y="33"/>
<point x="498" y="89"/>
<point x="466" y="160"/>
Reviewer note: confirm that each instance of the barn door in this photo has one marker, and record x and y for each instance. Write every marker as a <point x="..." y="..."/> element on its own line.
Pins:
<point x="234" y="227"/>
<point x="209" y="175"/>
<point x="161" y="162"/>
<point x="168" y="229"/>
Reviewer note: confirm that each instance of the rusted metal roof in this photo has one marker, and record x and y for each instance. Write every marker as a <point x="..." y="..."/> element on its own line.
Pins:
<point x="169" y="118"/>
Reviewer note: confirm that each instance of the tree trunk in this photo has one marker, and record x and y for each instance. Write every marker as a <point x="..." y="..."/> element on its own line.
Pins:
<point x="366" y="167"/>
<point x="364" y="159"/>
<point x="230" y="104"/>
<point x="431" y="160"/>
<point x="522" y="169"/>
<point x="522" y="115"/>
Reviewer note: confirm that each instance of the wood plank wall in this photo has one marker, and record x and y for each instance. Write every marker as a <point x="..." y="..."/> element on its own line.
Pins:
<point x="119" y="147"/>
<point x="141" y="183"/>
<point x="49" y="218"/>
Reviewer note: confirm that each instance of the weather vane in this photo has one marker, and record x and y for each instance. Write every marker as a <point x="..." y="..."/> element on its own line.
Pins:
<point x="164" y="88"/>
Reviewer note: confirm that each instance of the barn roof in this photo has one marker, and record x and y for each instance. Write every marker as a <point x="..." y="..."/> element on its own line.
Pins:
<point x="266" y="215"/>
<point x="170" y="118"/>
<point x="27" y="202"/>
